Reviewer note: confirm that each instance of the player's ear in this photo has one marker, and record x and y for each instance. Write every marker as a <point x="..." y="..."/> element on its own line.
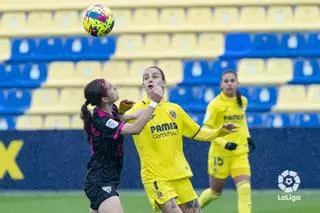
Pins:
<point x="104" y="100"/>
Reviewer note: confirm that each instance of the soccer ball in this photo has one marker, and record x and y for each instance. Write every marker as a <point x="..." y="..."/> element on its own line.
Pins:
<point x="98" y="20"/>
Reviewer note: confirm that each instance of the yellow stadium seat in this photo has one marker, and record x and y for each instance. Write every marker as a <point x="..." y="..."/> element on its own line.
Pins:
<point x="67" y="20"/>
<point x="279" y="15"/>
<point x="123" y="18"/>
<point x="184" y="43"/>
<point x="86" y="71"/>
<point x="136" y="71"/>
<point x="76" y="122"/>
<point x="130" y="93"/>
<point x="313" y="97"/>
<point x="116" y="71"/>
<point x="251" y="71"/>
<point x="172" y="17"/>
<point x="57" y="122"/>
<point x="211" y="43"/>
<point x="226" y="16"/>
<point x="13" y="21"/>
<point x="173" y="71"/>
<point x="279" y="71"/>
<point x="44" y="101"/>
<point x="39" y="21"/>
<point x="58" y="72"/>
<point x="146" y="18"/>
<point x="253" y="16"/>
<point x="288" y="96"/>
<point x="306" y="15"/>
<point x="199" y="16"/>
<point x="157" y="43"/>
<point x="129" y="44"/>
<point x="5" y="49"/>
<point x="71" y="100"/>
<point x="28" y="122"/>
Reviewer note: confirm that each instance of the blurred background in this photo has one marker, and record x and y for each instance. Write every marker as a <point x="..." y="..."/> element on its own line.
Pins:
<point x="273" y="45"/>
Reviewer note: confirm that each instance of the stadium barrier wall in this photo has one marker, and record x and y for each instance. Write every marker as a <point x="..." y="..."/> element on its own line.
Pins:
<point x="56" y="160"/>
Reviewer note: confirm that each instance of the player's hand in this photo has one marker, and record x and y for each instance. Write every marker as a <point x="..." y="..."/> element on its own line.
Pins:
<point x="157" y="94"/>
<point x="231" y="146"/>
<point x="125" y="105"/>
<point x="252" y="145"/>
<point x="226" y="129"/>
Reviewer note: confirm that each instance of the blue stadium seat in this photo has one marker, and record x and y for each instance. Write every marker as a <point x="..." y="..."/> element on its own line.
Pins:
<point x="33" y="75"/>
<point x="237" y="45"/>
<point x="306" y="72"/>
<point x="9" y="75"/>
<point x="197" y="117"/>
<point x="307" y="120"/>
<point x="23" y="49"/>
<point x="180" y="95"/>
<point x="7" y="123"/>
<point x="103" y="48"/>
<point x="3" y="101"/>
<point x="18" y="101"/>
<point x="254" y="120"/>
<point x="265" y="45"/>
<point x="260" y="99"/>
<point x="77" y="48"/>
<point x="195" y="72"/>
<point x="222" y="65"/>
<point x="293" y="45"/>
<point x="278" y="120"/>
<point x="314" y="44"/>
<point x="50" y="49"/>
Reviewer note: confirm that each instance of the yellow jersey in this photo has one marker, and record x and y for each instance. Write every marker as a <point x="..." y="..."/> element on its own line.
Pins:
<point x="160" y="143"/>
<point x="224" y="109"/>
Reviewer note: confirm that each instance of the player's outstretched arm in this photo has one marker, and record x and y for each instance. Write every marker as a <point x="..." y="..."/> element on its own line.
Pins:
<point x="137" y="126"/>
<point x="206" y="134"/>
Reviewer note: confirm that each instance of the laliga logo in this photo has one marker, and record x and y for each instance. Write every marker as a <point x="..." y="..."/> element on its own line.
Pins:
<point x="288" y="181"/>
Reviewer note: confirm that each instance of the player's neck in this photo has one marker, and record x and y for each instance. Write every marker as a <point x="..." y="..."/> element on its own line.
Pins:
<point x="107" y="108"/>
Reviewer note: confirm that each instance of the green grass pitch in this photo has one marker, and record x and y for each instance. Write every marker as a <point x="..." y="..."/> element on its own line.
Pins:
<point x="136" y="202"/>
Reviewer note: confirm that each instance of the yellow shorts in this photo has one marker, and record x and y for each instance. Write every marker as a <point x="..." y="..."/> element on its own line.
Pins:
<point x="160" y="192"/>
<point x="223" y="166"/>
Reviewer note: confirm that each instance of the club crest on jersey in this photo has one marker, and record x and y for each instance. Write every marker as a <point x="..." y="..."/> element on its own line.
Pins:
<point x="173" y="114"/>
<point x="112" y="123"/>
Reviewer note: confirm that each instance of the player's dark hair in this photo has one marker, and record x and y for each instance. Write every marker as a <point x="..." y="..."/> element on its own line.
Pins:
<point x="93" y="93"/>
<point x="238" y="93"/>
<point x="163" y="77"/>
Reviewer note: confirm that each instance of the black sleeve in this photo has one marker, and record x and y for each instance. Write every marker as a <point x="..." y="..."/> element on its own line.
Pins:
<point x="109" y="127"/>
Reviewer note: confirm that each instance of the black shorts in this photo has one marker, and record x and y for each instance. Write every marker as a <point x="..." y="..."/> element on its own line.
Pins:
<point x="97" y="194"/>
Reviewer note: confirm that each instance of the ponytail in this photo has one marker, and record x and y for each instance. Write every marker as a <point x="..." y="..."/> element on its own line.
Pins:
<point x="239" y="99"/>
<point x="86" y="117"/>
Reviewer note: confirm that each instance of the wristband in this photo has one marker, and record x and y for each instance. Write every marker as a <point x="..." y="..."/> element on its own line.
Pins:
<point x="153" y="104"/>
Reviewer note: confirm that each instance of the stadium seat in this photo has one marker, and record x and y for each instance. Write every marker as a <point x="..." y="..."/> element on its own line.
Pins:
<point x="253" y="16"/>
<point x="23" y="49"/>
<point x="5" y="49"/>
<point x="58" y="72"/>
<point x="172" y="17"/>
<point x="195" y="72"/>
<point x="307" y="120"/>
<point x="251" y="71"/>
<point x="260" y="99"/>
<point x="123" y="19"/>
<point x="67" y="21"/>
<point x="3" y="102"/>
<point x="306" y="15"/>
<point x="211" y="43"/>
<point x="44" y="101"/>
<point x="254" y="120"/>
<point x="140" y="20"/>
<point x="180" y="95"/>
<point x="9" y="75"/>
<point x="86" y="71"/>
<point x="156" y="43"/>
<point x="199" y="17"/>
<point x="313" y="44"/>
<point x="29" y="122"/>
<point x="102" y="48"/>
<point x="114" y="71"/>
<point x="33" y="75"/>
<point x="71" y="100"/>
<point x="76" y="122"/>
<point x="18" y="101"/>
<point x="237" y="45"/>
<point x="13" y="22"/>
<point x="7" y="123"/>
<point x="279" y="15"/>
<point x="77" y="48"/>
<point x="293" y="45"/>
<point x="265" y="45"/>
<point x="136" y="70"/>
<point x="50" y="49"/>
<point x="222" y="65"/>
<point x="129" y="44"/>
<point x="278" y="71"/>
<point x="39" y="21"/>
<point x="226" y="16"/>
<point x="56" y="122"/>
<point x="184" y="44"/>
<point x="306" y="72"/>
<point x="173" y="71"/>
<point x="130" y="93"/>
<point x="197" y="117"/>
<point x="291" y="98"/>
<point x="277" y="120"/>
<point x="313" y="97"/>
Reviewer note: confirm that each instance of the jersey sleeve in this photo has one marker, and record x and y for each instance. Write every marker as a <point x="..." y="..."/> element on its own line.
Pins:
<point x="211" y="116"/>
<point x="109" y="127"/>
<point x="189" y="127"/>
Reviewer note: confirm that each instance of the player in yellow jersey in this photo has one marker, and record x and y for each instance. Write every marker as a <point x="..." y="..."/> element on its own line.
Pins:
<point x="165" y="171"/>
<point x="228" y="156"/>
